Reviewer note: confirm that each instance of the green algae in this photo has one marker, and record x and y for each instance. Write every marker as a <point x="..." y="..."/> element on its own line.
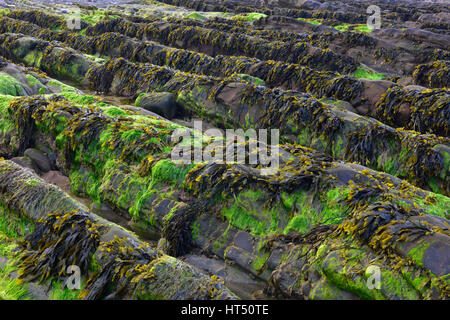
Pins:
<point x="88" y="184"/>
<point x="63" y="87"/>
<point x="10" y="287"/>
<point x="300" y="223"/>
<point x="222" y="241"/>
<point x="255" y="80"/>
<point x="114" y="112"/>
<point x="93" y="17"/>
<point x="32" y="81"/>
<point x="311" y="21"/>
<point x="435" y="204"/>
<point x="195" y="230"/>
<point x="5" y="122"/>
<point x="333" y="210"/>
<point x="304" y="137"/>
<point x="250" y="16"/>
<point x="167" y="171"/>
<point x="138" y="101"/>
<point x="342" y="27"/>
<point x="395" y="286"/>
<point x="99" y="59"/>
<point x="245" y="217"/>
<point x="364" y="28"/>
<point x="196" y="16"/>
<point x="260" y="261"/>
<point x="12" y="230"/>
<point x="417" y="279"/>
<point x="306" y="216"/>
<point x="13" y="226"/>
<point x="346" y="276"/>
<point x="33" y="58"/>
<point x="4" y="11"/>
<point x="61" y="292"/>
<point x="131" y="135"/>
<point x="338" y="147"/>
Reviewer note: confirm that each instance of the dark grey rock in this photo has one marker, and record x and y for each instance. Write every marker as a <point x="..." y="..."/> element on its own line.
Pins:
<point x="40" y="159"/>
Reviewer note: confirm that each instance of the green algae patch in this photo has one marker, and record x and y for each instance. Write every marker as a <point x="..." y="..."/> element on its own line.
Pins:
<point x="61" y="292"/>
<point x="32" y="81"/>
<point x="4" y="11"/>
<point x="250" y="17"/>
<point x="62" y="86"/>
<point x="364" y="28"/>
<point x="300" y="223"/>
<point x="196" y="16"/>
<point x="334" y="209"/>
<point x="307" y="215"/>
<point x="297" y="203"/>
<point x="93" y="17"/>
<point x="417" y="253"/>
<point x="255" y="80"/>
<point x="33" y="59"/>
<point x="83" y="99"/>
<point x="367" y="73"/>
<point x="10" y="287"/>
<point x="260" y="261"/>
<point x="98" y="59"/>
<point x="138" y="101"/>
<point x="12" y="230"/>
<point x="361" y="28"/>
<point x="435" y="204"/>
<point x="167" y="171"/>
<point x="131" y="135"/>
<point x="9" y="85"/>
<point x="311" y="21"/>
<point x="88" y="184"/>
<point x="338" y="147"/>
<point x="245" y="214"/>
<point x="6" y="123"/>
<point x="342" y="27"/>
<point x="113" y="111"/>
<point x="395" y="286"/>
<point x="346" y="268"/>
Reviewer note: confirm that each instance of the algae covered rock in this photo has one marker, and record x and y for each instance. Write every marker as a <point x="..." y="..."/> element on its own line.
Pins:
<point x="67" y="234"/>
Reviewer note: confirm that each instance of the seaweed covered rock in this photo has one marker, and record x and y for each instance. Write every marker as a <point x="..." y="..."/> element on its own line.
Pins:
<point x="433" y="75"/>
<point x="214" y="42"/>
<point x="222" y="101"/>
<point x="49" y="57"/>
<point x="19" y="81"/>
<point x="260" y="222"/>
<point x="299" y="117"/>
<point x="276" y="74"/>
<point x="426" y="110"/>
